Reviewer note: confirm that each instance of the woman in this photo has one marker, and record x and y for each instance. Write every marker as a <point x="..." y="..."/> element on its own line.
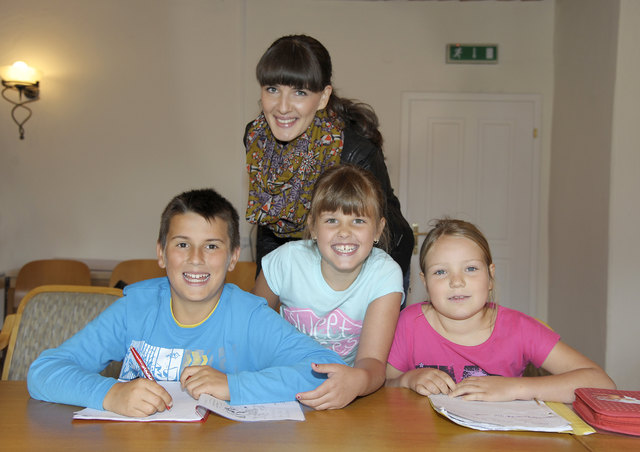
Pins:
<point x="305" y="128"/>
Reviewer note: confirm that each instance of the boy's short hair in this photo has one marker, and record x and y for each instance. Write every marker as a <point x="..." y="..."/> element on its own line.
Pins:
<point x="207" y="203"/>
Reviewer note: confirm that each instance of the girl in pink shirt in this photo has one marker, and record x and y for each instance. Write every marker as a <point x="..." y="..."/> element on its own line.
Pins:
<point x="462" y="344"/>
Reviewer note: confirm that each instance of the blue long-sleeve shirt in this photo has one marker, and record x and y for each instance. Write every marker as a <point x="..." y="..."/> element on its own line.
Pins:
<point x="264" y="357"/>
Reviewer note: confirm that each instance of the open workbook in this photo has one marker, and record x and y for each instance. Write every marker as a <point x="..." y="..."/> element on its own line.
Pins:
<point x="529" y="415"/>
<point x="187" y="409"/>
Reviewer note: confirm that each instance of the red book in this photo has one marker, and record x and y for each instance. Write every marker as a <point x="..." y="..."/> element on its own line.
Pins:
<point x="608" y="409"/>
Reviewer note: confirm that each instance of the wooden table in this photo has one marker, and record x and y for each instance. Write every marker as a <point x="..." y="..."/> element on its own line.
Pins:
<point x="390" y="419"/>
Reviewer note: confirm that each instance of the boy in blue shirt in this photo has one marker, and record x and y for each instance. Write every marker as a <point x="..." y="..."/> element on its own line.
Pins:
<point x="190" y="326"/>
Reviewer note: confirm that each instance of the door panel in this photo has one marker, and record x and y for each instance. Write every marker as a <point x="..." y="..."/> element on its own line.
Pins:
<point x="475" y="157"/>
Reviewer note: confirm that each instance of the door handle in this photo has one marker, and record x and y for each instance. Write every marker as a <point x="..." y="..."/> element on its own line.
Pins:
<point x="416" y="234"/>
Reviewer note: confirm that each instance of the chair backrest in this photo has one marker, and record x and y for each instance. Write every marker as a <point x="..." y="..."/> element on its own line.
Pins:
<point x="48" y="271"/>
<point x="46" y="317"/>
<point x="243" y="275"/>
<point x="135" y="270"/>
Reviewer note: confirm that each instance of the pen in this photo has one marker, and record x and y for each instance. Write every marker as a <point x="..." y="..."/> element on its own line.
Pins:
<point x="143" y="366"/>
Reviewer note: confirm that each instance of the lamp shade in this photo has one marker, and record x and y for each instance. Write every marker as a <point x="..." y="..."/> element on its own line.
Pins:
<point x="19" y="73"/>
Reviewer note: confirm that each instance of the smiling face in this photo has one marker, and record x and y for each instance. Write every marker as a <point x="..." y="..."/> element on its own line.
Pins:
<point x="344" y="241"/>
<point x="289" y="111"/>
<point x="457" y="278"/>
<point x="197" y="257"/>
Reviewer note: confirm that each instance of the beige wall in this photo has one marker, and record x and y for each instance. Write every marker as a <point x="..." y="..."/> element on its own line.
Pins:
<point x="585" y="49"/>
<point x="623" y="301"/>
<point x="140" y="100"/>
<point x="593" y="215"/>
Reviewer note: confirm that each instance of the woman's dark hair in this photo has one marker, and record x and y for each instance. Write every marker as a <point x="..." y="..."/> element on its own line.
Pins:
<point x="303" y="62"/>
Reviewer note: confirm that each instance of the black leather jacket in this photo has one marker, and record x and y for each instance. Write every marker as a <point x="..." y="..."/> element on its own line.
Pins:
<point x="361" y="152"/>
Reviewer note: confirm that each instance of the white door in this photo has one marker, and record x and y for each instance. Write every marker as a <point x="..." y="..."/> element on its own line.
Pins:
<point x="476" y="157"/>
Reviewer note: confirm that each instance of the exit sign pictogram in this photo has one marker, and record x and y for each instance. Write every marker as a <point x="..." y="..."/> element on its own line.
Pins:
<point x="472" y="53"/>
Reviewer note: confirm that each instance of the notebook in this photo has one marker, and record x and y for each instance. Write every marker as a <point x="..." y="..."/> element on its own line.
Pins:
<point x="187" y="409"/>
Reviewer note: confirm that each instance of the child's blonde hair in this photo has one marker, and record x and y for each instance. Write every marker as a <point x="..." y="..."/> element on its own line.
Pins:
<point x="458" y="228"/>
<point x="352" y="190"/>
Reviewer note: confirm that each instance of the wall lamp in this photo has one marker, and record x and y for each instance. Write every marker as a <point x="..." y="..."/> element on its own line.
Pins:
<point x="26" y="81"/>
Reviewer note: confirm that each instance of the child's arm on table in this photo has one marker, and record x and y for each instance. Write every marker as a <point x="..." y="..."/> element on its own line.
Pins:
<point x="570" y="369"/>
<point x="424" y="381"/>
<point x="70" y="373"/>
<point x="345" y="383"/>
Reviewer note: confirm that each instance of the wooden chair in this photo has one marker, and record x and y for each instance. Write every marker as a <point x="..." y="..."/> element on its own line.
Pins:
<point x="47" y="271"/>
<point x="46" y="317"/>
<point x="134" y="270"/>
<point x="243" y="275"/>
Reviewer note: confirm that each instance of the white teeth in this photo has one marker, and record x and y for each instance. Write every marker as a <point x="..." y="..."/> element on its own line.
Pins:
<point x="286" y="121"/>
<point x="196" y="277"/>
<point x="345" y="248"/>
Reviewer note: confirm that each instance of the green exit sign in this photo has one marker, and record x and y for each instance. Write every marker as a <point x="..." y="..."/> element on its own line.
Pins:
<point x="472" y="53"/>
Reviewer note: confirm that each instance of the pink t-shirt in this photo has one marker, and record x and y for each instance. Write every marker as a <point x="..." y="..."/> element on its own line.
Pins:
<point x="516" y="340"/>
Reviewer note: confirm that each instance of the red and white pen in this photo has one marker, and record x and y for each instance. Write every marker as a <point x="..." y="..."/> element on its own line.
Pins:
<point x="143" y="366"/>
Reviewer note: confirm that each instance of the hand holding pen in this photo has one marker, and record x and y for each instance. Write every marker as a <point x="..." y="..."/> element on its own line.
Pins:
<point x="140" y="397"/>
<point x="145" y="370"/>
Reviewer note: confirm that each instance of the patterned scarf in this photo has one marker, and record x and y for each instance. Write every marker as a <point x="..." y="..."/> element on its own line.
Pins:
<point x="282" y="176"/>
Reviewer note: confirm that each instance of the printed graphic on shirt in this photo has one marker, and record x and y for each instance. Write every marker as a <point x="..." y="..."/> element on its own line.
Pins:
<point x="165" y="364"/>
<point x="467" y="371"/>
<point x="474" y="371"/>
<point x="335" y="331"/>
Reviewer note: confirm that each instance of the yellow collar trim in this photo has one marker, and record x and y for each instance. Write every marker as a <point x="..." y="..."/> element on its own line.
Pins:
<point x="181" y="325"/>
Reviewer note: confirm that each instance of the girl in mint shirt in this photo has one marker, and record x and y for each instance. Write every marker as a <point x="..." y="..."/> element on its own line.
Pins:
<point x="337" y="287"/>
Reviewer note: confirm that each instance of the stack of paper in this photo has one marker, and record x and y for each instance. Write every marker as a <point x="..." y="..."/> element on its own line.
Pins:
<point x="515" y="415"/>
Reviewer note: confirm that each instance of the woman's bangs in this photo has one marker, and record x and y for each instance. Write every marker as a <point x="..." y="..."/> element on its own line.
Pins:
<point x="296" y="71"/>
